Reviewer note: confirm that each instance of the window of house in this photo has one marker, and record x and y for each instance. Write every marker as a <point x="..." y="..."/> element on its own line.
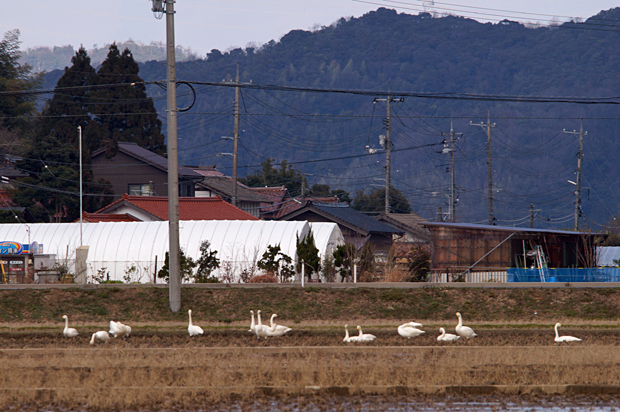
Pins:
<point x="141" y="189"/>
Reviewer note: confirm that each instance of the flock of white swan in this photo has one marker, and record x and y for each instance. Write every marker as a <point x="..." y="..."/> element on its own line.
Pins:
<point x="407" y="330"/>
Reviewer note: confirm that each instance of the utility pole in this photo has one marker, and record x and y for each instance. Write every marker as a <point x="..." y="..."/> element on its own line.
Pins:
<point x="452" y="173"/>
<point x="388" y="146"/>
<point x="174" y="285"/>
<point x="581" y="134"/>
<point x="489" y="164"/>
<point x="236" y="139"/>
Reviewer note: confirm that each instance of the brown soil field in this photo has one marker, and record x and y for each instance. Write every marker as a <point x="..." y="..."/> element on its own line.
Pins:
<point x="161" y="367"/>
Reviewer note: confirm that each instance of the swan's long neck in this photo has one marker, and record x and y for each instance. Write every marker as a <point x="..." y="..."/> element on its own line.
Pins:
<point x="190" y="317"/>
<point x="253" y="323"/>
<point x="272" y="317"/>
<point x="66" y="323"/>
<point x="360" y="329"/>
<point x="92" y="340"/>
<point x="460" y="321"/>
<point x="346" y="332"/>
<point x="260" y="324"/>
<point x="557" y="335"/>
<point x="443" y="332"/>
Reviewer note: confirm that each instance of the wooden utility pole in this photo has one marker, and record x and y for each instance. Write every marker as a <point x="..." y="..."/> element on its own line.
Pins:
<point x="581" y="133"/>
<point x="489" y="164"/>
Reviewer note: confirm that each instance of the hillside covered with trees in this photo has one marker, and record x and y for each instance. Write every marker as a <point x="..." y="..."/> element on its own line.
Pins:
<point x="325" y="110"/>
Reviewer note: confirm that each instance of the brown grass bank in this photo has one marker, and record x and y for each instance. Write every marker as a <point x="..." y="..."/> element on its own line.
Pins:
<point x="224" y="306"/>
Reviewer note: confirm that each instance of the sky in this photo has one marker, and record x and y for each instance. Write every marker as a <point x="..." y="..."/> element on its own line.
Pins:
<point x="203" y="25"/>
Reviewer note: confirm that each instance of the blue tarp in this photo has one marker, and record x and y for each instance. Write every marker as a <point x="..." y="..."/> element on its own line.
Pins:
<point x="606" y="274"/>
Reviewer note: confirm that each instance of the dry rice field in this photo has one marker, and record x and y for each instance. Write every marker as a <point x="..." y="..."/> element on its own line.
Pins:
<point x="168" y="369"/>
<point x="161" y="368"/>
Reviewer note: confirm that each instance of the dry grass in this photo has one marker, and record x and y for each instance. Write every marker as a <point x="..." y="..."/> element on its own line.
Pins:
<point x="106" y="378"/>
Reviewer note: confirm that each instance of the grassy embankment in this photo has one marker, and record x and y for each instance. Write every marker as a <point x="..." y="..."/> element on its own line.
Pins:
<point x="312" y="305"/>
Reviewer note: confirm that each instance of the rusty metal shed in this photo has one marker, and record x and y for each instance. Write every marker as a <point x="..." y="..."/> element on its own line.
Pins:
<point x="462" y="246"/>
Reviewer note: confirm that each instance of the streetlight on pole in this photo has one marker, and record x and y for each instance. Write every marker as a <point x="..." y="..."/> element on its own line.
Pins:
<point x="174" y="285"/>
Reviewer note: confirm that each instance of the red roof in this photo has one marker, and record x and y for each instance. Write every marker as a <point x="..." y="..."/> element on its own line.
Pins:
<point x="190" y="208"/>
<point x="277" y="196"/>
<point x="108" y="217"/>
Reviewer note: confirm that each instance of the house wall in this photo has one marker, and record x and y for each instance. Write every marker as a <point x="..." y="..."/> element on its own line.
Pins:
<point x="123" y="170"/>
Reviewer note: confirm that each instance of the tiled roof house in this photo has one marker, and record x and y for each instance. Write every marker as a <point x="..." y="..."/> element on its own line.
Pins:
<point x="155" y="208"/>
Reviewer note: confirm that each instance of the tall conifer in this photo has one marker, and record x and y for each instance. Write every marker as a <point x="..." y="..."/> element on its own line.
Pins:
<point x="122" y="107"/>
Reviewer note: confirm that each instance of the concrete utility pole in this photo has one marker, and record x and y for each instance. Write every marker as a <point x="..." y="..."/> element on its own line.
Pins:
<point x="174" y="284"/>
<point x="388" y="146"/>
<point x="236" y="139"/>
<point x="489" y="163"/>
<point x="581" y="133"/>
<point x="452" y="173"/>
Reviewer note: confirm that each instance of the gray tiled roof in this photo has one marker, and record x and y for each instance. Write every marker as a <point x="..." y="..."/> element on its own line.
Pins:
<point x="223" y="186"/>
<point x="160" y="162"/>
<point x="349" y="215"/>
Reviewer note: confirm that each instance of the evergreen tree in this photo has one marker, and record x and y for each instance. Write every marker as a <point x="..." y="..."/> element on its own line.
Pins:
<point x="51" y="191"/>
<point x="319" y="190"/>
<point x="375" y="201"/>
<point x="309" y="253"/>
<point x="15" y="109"/>
<point x="269" y="175"/>
<point x="123" y="109"/>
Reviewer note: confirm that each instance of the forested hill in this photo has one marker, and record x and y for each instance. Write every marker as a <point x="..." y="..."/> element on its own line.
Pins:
<point x="415" y="54"/>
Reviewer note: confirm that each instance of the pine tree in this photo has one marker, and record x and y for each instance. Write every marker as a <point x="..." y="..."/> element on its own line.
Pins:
<point x="123" y="109"/>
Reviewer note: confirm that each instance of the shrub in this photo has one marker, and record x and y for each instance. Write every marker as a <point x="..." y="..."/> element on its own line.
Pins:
<point x="266" y="278"/>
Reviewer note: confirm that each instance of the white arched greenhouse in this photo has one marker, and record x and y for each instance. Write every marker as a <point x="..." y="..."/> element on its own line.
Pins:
<point x="116" y="247"/>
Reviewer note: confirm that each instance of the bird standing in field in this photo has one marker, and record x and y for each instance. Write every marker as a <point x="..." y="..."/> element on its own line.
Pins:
<point x="119" y="330"/>
<point x="275" y="329"/>
<point x="560" y="339"/>
<point x="67" y="331"/>
<point x="101" y="336"/>
<point x="193" y="330"/>
<point x="464" y="331"/>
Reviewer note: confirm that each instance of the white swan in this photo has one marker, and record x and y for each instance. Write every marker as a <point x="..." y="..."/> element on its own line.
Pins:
<point x="560" y="339"/>
<point x="365" y="337"/>
<point x="193" y="329"/>
<point x="408" y="330"/>
<point x="118" y="330"/>
<point x="446" y="337"/>
<point x="464" y="331"/>
<point x="252" y="324"/>
<point x="101" y="336"/>
<point x="260" y="329"/>
<point x="275" y="329"/>
<point x="347" y="338"/>
<point x="67" y="331"/>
